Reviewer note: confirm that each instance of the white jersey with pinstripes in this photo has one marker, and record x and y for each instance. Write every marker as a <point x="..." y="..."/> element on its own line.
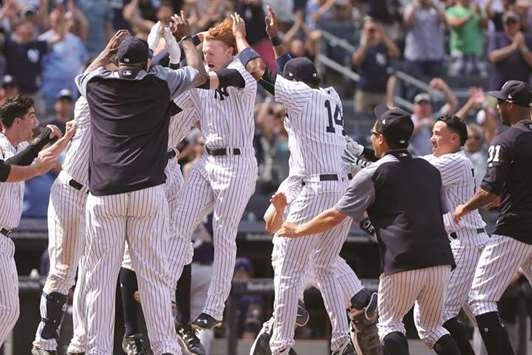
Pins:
<point x="182" y="123"/>
<point x="11" y="193"/>
<point x="76" y="163"/>
<point x="227" y="113"/>
<point x="458" y="183"/>
<point x="314" y="124"/>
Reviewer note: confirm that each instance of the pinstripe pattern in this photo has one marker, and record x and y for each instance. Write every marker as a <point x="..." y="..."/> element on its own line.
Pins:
<point x="425" y="290"/>
<point x="140" y="218"/>
<point x="76" y="163"/>
<point x="181" y="123"/>
<point x="295" y="254"/>
<point x="66" y="233"/>
<point x="9" y="303"/>
<point x="13" y="192"/>
<point x="78" y="343"/>
<point x="498" y="263"/>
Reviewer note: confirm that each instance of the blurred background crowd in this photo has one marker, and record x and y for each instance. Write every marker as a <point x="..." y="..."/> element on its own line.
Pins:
<point x="428" y="56"/>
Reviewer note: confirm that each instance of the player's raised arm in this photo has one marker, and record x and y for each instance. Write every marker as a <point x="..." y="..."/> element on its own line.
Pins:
<point x="251" y="60"/>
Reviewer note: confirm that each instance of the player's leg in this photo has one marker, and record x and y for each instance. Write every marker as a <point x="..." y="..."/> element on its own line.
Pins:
<point x="498" y="263"/>
<point x="233" y="183"/>
<point x="133" y="341"/>
<point x="466" y="257"/>
<point x="397" y="295"/>
<point x="106" y="227"/>
<point x="199" y="287"/>
<point x="65" y="246"/>
<point x="428" y="311"/>
<point x="147" y="236"/>
<point x="78" y="343"/>
<point x="9" y="303"/>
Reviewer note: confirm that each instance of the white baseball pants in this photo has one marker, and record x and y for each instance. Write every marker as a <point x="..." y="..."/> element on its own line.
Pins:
<point x="66" y="233"/>
<point x="498" y="263"/>
<point x="140" y="218"/>
<point x="9" y="303"/>
<point x="294" y="255"/>
<point x="422" y="288"/>
<point x="223" y="184"/>
<point x="466" y="254"/>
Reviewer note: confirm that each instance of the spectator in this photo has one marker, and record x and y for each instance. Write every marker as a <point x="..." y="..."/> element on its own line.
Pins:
<point x="63" y="109"/>
<point x="297" y="38"/>
<point x="466" y="23"/>
<point x="64" y="61"/>
<point x="387" y="12"/>
<point x="9" y="88"/>
<point x="24" y="57"/>
<point x="372" y="60"/>
<point x="424" y="49"/>
<point x="424" y="116"/>
<point x="318" y="10"/>
<point x="495" y="11"/>
<point x="284" y="10"/>
<point x="476" y="152"/>
<point x="509" y="53"/>
<point x="98" y="13"/>
<point x="142" y="15"/>
<point x="205" y="14"/>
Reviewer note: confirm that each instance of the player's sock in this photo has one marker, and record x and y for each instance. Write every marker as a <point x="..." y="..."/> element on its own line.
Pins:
<point x="128" y="286"/>
<point x="493" y="334"/>
<point x="457" y="332"/>
<point x="361" y="299"/>
<point x="447" y="346"/>
<point x="182" y="295"/>
<point x="52" y="308"/>
<point x="395" y="344"/>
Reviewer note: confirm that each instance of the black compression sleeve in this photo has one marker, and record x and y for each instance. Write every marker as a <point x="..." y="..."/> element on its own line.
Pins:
<point x="5" y="169"/>
<point x="26" y="156"/>
<point x="230" y="77"/>
<point x="268" y="81"/>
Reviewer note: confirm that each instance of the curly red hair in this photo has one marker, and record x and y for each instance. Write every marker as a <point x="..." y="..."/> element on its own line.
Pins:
<point x="223" y="32"/>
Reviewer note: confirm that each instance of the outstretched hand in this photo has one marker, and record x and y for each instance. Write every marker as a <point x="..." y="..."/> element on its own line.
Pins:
<point x="114" y="42"/>
<point x="179" y="26"/>
<point x="239" y="26"/>
<point x="288" y="230"/>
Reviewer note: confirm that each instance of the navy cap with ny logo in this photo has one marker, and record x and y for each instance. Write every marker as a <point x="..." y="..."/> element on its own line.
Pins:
<point x="516" y="92"/>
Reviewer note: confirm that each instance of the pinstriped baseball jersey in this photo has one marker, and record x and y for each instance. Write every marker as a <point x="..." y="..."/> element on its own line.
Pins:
<point x="181" y="123"/>
<point x="458" y="185"/>
<point x="76" y="162"/>
<point x="227" y="113"/>
<point x="13" y="192"/>
<point x="314" y="124"/>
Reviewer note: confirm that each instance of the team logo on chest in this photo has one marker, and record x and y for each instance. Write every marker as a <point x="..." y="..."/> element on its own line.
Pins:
<point x="221" y="93"/>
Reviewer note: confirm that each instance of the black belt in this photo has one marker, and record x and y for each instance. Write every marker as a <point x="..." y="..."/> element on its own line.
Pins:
<point x="455" y="236"/>
<point x="6" y="232"/>
<point x="222" y="151"/>
<point x="75" y="184"/>
<point x="326" y="177"/>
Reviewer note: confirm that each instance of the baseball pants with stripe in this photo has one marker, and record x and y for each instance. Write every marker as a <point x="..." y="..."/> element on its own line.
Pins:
<point x="66" y="232"/>
<point x="422" y="288"/>
<point x="498" y="263"/>
<point x="140" y="218"/>
<point x="294" y="255"/>
<point x="223" y="184"/>
<point x="466" y="253"/>
<point x="9" y="303"/>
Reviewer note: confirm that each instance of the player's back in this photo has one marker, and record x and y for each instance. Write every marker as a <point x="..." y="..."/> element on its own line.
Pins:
<point x="314" y="123"/>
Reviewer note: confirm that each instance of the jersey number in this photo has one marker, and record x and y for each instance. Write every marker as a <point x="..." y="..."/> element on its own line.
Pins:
<point x="221" y="93"/>
<point x="335" y="118"/>
<point x="494" y="152"/>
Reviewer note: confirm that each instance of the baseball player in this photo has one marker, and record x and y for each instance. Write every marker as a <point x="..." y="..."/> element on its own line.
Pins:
<point x="66" y="227"/>
<point x="402" y="196"/>
<point x="467" y="239"/>
<point x="508" y="176"/>
<point x="18" y="120"/>
<point x="129" y="134"/>
<point x="224" y="179"/>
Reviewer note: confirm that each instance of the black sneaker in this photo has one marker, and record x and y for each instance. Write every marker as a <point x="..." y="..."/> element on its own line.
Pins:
<point x="347" y="349"/>
<point x="261" y="345"/>
<point x="205" y="321"/>
<point x="190" y="340"/>
<point x="134" y="345"/>
<point x="38" y="351"/>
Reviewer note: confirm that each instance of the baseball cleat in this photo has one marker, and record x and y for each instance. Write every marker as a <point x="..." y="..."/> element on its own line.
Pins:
<point x="303" y="316"/>
<point x="38" y="351"/>
<point x="261" y="345"/>
<point x="190" y="340"/>
<point x="364" y="332"/>
<point x="134" y="345"/>
<point x="347" y="349"/>
<point x="205" y="321"/>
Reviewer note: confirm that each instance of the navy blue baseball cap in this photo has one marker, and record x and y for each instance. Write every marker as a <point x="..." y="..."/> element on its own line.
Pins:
<point x="133" y="50"/>
<point x="394" y="124"/>
<point x="301" y="69"/>
<point x="515" y="92"/>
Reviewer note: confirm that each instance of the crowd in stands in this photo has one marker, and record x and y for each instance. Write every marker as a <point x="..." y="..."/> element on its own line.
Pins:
<point x="466" y="46"/>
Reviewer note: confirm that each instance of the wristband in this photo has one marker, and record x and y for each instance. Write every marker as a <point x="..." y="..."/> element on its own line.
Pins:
<point x="247" y="55"/>
<point x="276" y="41"/>
<point x="186" y="38"/>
